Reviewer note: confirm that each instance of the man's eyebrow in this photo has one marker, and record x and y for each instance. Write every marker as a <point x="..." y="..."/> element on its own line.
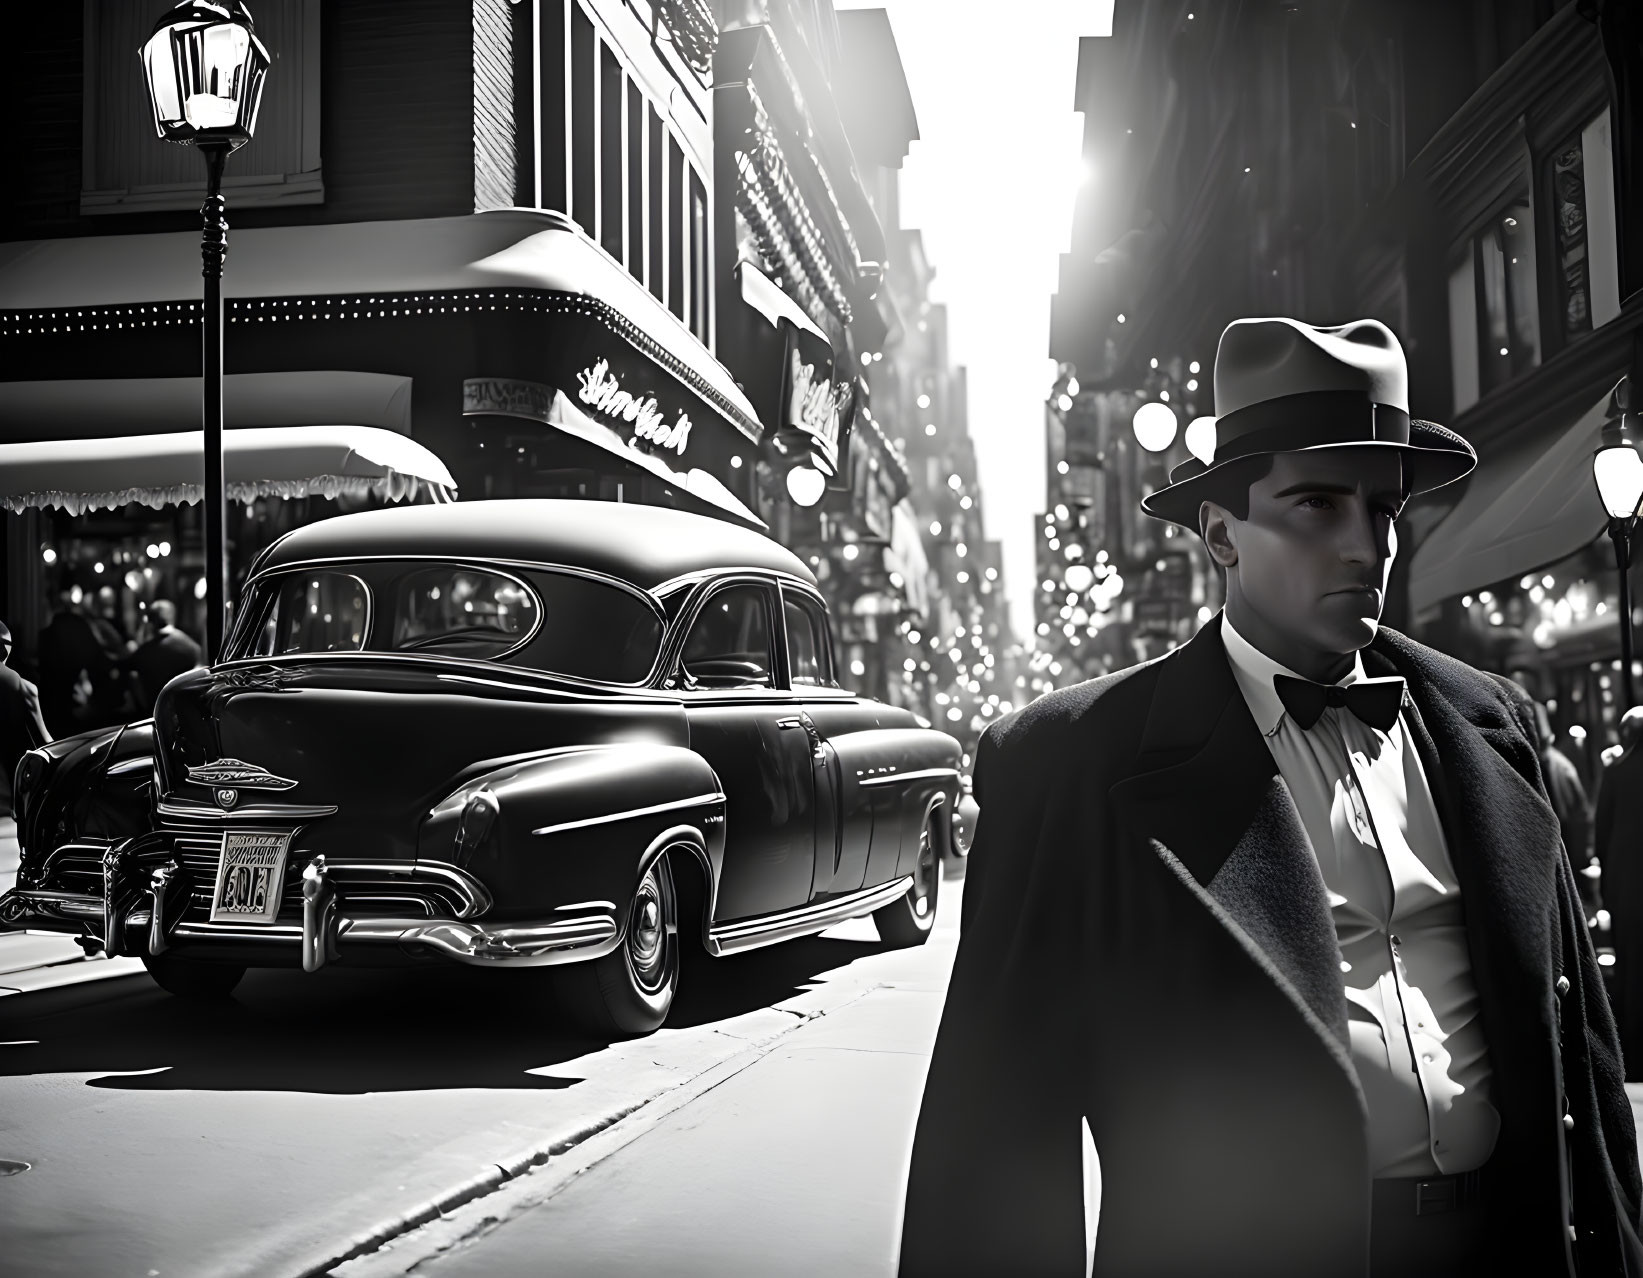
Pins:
<point x="1337" y="490"/>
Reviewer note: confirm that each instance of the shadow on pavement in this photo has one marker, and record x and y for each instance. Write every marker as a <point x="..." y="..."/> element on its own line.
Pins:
<point x="349" y="1032"/>
<point x="715" y="989"/>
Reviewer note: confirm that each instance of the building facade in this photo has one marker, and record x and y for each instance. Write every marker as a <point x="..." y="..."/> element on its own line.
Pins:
<point x="614" y="249"/>
<point x="1467" y="174"/>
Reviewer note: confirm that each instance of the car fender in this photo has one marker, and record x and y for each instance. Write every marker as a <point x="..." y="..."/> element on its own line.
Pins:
<point x="94" y="786"/>
<point x="901" y="775"/>
<point x="576" y="828"/>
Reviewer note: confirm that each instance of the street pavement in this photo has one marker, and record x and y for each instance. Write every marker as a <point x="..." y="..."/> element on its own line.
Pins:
<point x="361" y="1124"/>
<point x="317" y="1116"/>
<point x="792" y="1160"/>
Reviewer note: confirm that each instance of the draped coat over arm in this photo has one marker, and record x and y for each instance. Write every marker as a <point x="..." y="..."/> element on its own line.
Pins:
<point x="1147" y="946"/>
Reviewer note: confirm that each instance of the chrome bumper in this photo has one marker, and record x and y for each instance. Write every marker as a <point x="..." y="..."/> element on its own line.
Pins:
<point x="125" y="912"/>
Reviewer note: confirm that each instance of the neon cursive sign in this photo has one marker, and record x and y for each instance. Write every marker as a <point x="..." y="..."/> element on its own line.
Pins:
<point x="602" y="391"/>
<point x="815" y="404"/>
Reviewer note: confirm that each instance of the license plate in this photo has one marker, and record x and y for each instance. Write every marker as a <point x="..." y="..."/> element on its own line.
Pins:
<point x="250" y="878"/>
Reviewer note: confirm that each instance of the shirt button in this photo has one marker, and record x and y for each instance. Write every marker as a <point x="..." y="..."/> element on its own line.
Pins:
<point x="1427" y="1058"/>
<point x="1562" y="986"/>
<point x="1568" y="1122"/>
<point x="1394" y="939"/>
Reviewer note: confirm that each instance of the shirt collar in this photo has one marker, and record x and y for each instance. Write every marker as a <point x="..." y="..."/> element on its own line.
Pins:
<point x="1253" y="670"/>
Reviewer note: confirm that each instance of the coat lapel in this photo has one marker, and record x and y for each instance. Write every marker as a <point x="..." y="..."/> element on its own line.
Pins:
<point x="1208" y="799"/>
<point x="1503" y="836"/>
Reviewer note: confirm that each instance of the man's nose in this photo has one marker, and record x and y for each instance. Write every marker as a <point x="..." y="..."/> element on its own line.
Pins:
<point x="1363" y="540"/>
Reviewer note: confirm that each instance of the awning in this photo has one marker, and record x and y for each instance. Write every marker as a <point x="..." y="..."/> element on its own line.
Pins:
<point x="87" y="408"/>
<point x="1524" y="508"/>
<point x="280" y="461"/>
<point x="563" y="415"/>
<point x="765" y="296"/>
<point x="503" y="249"/>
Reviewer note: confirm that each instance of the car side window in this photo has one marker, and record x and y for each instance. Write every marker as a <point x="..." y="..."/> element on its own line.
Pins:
<point x="729" y="642"/>
<point x="807" y="651"/>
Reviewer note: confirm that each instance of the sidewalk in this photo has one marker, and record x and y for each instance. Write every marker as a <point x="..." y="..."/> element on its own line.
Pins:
<point x="32" y="961"/>
<point x="8" y="853"/>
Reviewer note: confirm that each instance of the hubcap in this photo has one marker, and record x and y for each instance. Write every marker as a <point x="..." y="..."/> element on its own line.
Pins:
<point x="924" y="876"/>
<point x="648" y="931"/>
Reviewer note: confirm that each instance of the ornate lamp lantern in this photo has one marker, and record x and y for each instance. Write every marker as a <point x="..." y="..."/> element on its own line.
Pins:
<point x="205" y="69"/>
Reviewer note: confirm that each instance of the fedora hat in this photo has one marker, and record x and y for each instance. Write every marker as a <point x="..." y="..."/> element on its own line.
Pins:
<point x="1282" y="386"/>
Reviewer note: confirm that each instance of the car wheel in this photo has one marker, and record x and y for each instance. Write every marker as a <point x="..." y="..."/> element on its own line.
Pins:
<point x="630" y="990"/>
<point x="189" y="979"/>
<point x="908" y="920"/>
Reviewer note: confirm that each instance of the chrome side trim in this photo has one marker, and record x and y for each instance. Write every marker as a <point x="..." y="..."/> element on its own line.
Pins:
<point x="919" y="775"/>
<point x="748" y="934"/>
<point x="188" y="810"/>
<point x="629" y="813"/>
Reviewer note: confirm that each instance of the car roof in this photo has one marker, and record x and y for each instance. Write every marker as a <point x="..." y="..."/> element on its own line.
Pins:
<point x="646" y="545"/>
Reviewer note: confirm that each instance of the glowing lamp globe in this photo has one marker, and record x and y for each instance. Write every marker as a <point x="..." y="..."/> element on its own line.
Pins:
<point x="805" y="485"/>
<point x="1200" y="439"/>
<point x="1618" y="471"/>
<point x="1079" y="577"/>
<point x="205" y="69"/>
<point x="1155" y="425"/>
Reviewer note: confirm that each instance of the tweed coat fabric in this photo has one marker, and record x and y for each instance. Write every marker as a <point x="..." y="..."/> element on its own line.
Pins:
<point x="1147" y="946"/>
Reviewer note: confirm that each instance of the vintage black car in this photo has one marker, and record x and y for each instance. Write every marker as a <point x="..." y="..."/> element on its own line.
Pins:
<point x="501" y="733"/>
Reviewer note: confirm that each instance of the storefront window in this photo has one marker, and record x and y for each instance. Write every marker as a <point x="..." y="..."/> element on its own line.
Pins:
<point x="1582" y="194"/>
<point x="1509" y="327"/>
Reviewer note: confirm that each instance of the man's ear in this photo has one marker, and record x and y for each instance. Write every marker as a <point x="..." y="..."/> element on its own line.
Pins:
<point x="1215" y="526"/>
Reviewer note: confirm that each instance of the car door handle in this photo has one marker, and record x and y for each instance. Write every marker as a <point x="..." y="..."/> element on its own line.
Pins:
<point x="809" y="725"/>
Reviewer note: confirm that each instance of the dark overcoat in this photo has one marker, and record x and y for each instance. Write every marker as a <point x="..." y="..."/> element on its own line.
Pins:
<point x="1620" y="848"/>
<point x="1147" y="945"/>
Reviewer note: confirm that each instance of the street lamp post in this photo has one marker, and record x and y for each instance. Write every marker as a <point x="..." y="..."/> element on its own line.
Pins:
<point x="205" y="69"/>
<point x="1618" y="470"/>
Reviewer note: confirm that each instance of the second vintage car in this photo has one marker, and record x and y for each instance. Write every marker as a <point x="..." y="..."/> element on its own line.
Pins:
<point x="510" y="733"/>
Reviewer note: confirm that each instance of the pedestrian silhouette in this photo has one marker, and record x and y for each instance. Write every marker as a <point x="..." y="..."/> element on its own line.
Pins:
<point x="165" y="654"/>
<point x="21" y="726"/>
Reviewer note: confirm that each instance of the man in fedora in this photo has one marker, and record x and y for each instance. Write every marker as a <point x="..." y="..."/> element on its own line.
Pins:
<point x="1271" y="954"/>
<point x="21" y="727"/>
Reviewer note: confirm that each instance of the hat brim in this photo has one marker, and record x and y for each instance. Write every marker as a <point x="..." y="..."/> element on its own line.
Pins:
<point x="1435" y="456"/>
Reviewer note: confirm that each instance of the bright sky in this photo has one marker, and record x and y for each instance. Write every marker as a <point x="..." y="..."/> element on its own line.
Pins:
<point x="991" y="183"/>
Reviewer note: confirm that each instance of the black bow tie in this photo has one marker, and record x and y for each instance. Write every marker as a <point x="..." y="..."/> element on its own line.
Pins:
<point x="1375" y="701"/>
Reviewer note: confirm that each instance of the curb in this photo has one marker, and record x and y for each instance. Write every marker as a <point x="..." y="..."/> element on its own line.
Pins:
<point x="371" y="1245"/>
<point x="491" y="1179"/>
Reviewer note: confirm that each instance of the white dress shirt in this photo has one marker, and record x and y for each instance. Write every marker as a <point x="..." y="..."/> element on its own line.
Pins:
<point x="1413" y="1011"/>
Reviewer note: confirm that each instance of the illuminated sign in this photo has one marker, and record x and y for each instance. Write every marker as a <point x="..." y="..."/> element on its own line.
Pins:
<point x="813" y="405"/>
<point x="601" y="391"/>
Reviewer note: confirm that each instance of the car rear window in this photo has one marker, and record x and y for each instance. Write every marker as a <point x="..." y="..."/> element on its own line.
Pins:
<point x="317" y="611"/>
<point x="458" y="612"/>
<point x="560" y="622"/>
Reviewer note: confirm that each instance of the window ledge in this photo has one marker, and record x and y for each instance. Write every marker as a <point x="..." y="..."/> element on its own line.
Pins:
<point x="241" y="193"/>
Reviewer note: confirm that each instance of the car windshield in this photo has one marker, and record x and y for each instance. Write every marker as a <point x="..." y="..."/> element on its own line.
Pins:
<point x="556" y="621"/>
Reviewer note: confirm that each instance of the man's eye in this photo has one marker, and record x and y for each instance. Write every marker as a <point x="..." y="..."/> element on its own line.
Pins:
<point x="1317" y="503"/>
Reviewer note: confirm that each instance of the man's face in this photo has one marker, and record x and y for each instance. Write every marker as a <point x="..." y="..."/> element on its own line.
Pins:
<point x="1313" y="557"/>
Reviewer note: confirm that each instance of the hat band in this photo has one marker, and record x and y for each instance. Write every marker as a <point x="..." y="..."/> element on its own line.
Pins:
<point x="1312" y="419"/>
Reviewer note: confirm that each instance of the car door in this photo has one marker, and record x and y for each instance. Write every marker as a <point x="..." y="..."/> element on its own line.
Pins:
<point x="753" y="733"/>
<point x="843" y="723"/>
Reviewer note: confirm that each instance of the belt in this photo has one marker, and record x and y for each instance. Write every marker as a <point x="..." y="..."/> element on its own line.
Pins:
<point x="1427" y="1195"/>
